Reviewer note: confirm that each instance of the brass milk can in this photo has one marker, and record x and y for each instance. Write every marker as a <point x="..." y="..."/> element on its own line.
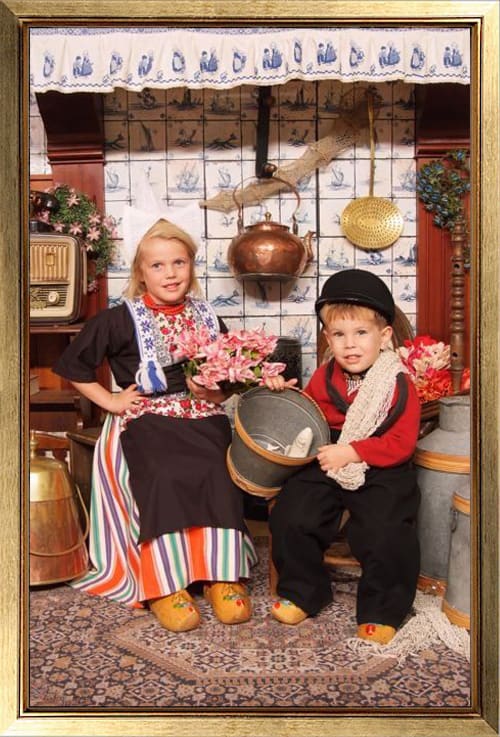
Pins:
<point x="57" y="543"/>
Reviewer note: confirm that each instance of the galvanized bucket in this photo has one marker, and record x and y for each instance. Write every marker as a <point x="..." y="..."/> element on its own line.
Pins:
<point x="266" y="423"/>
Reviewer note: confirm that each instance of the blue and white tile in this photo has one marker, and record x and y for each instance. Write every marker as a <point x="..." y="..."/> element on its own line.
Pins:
<point x="116" y="181"/>
<point x="405" y="257"/>
<point x="306" y="186"/>
<point x="221" y="104"/>
<point x="148" y="104"/>
<point x="200" y="260"/>
<point x="222" y="224"/>
<point x="116" y="141"/>
<point x="408" y="208"/>
<point x="297" y="100"/>
<point x="39" y="164"/>
<point x="298" y="296"/>
<point x="309" y="365"/>
<point x="185" y="179"/>
<point x="335" y="254"/>
<point x="329" y="216"/>
<point x="262" y="298"/>
<point x="119" y="265"/>
<point x="379" y="261"/>
<point x="249" y="100"/>
<point x="253" y="214"/>
<point x="115" y="104"/>
<point x="404" y="177"/>
<point x="404" y="290"/>
<point x="337" y="179"/>
<point x="404" y="100"/>
<point x="270" y="324"/>
<point x="217" y="263"/>
<point x="188" y="215"/>
<point x="222" y="139"/>
<point x="382" y="141"/>
<point x="295" y="136"/>
<point x="222" y="176"/>
<point x="147" y="139"/>
<point x="155" y="173"/>
<point x="116" y="287"/>
<point x="334" y="97"/>
<point x="114" y="208"/>
<point x="302" y="328"/>
<point x="226" y="296"/>
<point x="184" y="139"/>
<point x="184" y="104"/>
<point x="382" y="94"/>
<point x="304" y="211"/>
<point x="403" y="139"/>
<point x="382" y="178"/>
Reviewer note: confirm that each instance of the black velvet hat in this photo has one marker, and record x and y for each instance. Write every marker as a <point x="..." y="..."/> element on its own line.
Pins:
<point x="358" y="287"/>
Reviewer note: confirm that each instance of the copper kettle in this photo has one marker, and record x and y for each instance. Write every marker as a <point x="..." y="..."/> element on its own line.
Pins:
<point x="268" y="250"/>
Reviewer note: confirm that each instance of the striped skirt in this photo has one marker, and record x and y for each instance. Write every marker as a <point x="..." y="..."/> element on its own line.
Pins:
<point x="131" y="573"/>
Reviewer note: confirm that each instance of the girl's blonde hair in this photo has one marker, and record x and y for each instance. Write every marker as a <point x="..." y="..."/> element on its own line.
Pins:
<point x="334" y="310"/>
<point x="168" y="231"/>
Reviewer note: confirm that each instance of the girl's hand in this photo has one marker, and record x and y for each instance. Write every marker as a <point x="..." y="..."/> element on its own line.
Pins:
<point x="333" y="457"/>
<point x="208" y="395"/>
<point x="124" y="400"/>
<point x="278" y="383"/>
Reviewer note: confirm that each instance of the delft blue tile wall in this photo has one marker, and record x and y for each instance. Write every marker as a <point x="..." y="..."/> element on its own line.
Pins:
<point x="192" y="146"/>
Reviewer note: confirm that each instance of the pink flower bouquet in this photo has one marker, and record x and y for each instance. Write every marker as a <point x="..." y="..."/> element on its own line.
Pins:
<point x="236" y="358"/>
<point x="428" y="364"/>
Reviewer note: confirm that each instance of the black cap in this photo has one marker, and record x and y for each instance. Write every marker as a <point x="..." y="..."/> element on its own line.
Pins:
<point x="358" y="287"/>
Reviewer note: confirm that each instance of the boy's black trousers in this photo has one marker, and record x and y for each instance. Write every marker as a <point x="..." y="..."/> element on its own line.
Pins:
<point x="381" y="532"/>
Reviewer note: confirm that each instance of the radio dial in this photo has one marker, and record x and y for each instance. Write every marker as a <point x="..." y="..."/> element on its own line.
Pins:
<point x="53" y="297"/>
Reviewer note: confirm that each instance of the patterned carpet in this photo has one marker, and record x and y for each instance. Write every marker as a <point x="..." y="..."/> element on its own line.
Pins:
<point x="87" y="652"/>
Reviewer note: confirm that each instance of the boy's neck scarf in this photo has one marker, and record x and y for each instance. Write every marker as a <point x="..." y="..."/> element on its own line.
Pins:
<point x="367" y="412"/>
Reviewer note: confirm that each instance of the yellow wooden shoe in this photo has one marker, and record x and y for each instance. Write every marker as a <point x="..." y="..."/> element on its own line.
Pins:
<point x="287" y="612"/>
<point x="176" y="612"/>
<point x="230" y="601"/>
<point x="381" y="633"/>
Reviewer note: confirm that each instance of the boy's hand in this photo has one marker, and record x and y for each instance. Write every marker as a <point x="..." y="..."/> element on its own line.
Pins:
<point x="332" y="457"/>
<point x="278" y="383"/>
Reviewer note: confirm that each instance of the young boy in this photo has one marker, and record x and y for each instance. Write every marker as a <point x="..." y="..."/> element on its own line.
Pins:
<point x="374" y="413"/>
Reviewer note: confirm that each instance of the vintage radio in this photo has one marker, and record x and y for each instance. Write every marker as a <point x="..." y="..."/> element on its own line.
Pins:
<point x="58" y="278"/>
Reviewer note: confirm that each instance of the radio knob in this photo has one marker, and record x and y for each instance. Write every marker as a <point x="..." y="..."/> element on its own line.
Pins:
<point x="53" y="297"/>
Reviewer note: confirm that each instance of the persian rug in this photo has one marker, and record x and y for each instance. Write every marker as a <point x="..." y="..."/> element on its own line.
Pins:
<point x="86" y="652"/>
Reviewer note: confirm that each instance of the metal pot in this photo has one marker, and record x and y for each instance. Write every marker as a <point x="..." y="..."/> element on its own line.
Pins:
<point x="57" y="543"/>
<point x="268" y="250"/>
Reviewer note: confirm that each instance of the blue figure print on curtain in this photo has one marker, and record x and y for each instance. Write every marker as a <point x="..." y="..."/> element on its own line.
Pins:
<point x="82" y="66"/>
<point x="272" y="58"/>
<point x="297" y="52"/>
<point x="115" y="63"/>
<point x="417" y="60"/>
<point x="326" y="54"/>
<point x="388" y="56"/>
<point x="48" y="64"/>
<point x="178" y="62"/>
<point x="356" y="56"/>
<point x="208" y="63"/>
<point x="452" y="56"/>
<point x="145" y="64"/>
<point x="239" y="61"/>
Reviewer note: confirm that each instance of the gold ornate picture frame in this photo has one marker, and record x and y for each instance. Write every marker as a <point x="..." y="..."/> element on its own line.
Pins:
<point x="482" y="17"/>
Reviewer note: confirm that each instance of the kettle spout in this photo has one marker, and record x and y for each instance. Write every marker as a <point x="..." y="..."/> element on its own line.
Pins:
<point x="307" y="241"/>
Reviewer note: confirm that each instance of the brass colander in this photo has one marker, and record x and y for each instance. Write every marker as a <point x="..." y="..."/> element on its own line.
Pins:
<point x="371" y="222"/>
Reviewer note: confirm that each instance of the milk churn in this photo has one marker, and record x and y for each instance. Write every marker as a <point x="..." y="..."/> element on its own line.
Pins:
<point x="57" y="543"/>
<point x="442" y="459"/>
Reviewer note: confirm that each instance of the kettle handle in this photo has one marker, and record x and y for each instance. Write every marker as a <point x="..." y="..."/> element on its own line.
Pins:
<point x="239" y="205"/>
<point x="78" y="544"/>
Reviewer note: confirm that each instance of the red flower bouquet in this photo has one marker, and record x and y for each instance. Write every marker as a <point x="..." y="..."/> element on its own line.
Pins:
<point x="237" y="358"/>
<point x="428" y="364"/>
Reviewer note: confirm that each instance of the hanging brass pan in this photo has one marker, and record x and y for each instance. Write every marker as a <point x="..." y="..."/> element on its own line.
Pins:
<point x="371" y="222"/>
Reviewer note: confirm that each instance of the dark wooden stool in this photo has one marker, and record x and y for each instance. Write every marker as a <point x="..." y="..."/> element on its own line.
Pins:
<point x="81" y="453"/>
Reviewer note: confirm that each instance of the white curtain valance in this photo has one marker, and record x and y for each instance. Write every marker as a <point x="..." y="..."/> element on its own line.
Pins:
<point x="86" y="59"/>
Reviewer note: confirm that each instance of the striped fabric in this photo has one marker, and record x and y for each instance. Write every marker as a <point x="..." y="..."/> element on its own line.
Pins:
<point x="132" y="573"/>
